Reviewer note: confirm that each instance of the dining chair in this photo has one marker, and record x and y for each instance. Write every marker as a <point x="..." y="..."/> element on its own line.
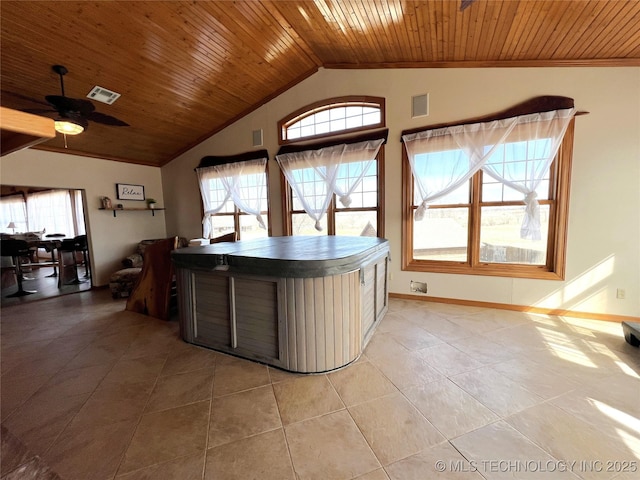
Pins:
<point x="16" y="249"/>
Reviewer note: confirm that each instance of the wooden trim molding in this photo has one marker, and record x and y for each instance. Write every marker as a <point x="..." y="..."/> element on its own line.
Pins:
<point x="520" y="308"/>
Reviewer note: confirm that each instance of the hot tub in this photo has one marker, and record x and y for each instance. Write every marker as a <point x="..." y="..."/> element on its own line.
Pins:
<point x="303" y="304"/>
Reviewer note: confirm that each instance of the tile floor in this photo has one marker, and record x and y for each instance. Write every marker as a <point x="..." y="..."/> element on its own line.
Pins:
<point x="95" y="393"/>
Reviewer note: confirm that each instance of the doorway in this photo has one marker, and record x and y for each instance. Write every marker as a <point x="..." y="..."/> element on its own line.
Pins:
<point x="52" y="221"/>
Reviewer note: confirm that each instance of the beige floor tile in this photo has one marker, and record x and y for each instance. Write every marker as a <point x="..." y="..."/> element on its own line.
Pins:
<point x="181" y="389"/>
<point x="448" y="360"/>
<point x="629" y="471"/>
<point x="14" y="392"/>
<point x="483" y="349"/>
<point x="98" y="355"/>
<point x="41" y="363"/>
<point x="498" y="451"/>
<point x="243" y="414"/>
<point x="42" y="417"/>
<point x="35" y="468"/>
<point x="93" y="330"/>
<point x="449" y="408"/>
<point x="581" y="366"/>
<point x="360" y="382"/>
<point x="401" y="366"/>
<point x="394" y="428"/>
<point x="277" y="375"/>
<point x="439" y="461"/>
<point x="438" y="325"/>
<point x="379" y="474"/>
<point x="306" y="397"/>
<point x="564" y="436"/>
<point x="12" y="452"/>
<point x="111" y="403"/>
<point x="407" y="333"/>
<point x="532" y="336"/>
<point x="189" y="358"/>
<point x="619" y="391"/>
<point x="488" y="322"/>
<point x="14" y="355"/>
<point x="261" y="457"/>
<point x="190" y="467"/>
<point x="80" y="454"/>
<point x="329" y="448"/>
<point x="136" y="370"/>
<point x="608" y="417"/>
<point x="153" y="340"/>
<point x="166" y="435"/>
<point x="74" y="382"/>
<point x="544" y="383"/>
<point x="234" y="375"/>
<point x="495" y="391"/>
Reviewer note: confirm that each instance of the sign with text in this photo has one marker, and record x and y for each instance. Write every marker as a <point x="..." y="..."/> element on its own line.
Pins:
<point x="130" y="192"/>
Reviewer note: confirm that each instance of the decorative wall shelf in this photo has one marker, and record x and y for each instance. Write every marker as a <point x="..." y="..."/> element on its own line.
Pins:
<point x="114" y="210"/>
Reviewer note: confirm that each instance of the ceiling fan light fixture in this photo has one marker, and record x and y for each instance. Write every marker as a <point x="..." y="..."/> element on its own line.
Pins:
<point x="68" y="127"/>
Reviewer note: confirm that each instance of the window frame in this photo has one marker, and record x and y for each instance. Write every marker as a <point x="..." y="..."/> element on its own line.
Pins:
<point x="555" y="265"/>
<point x="213" y="160"/>
<point x="328" y="104"/>
<point x="288" y="212"/>
<point x="333" y="138"/>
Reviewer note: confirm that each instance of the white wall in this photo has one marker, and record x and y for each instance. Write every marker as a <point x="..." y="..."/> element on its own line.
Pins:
<point x="111" y="239"/>
<point x="604" y="223"/>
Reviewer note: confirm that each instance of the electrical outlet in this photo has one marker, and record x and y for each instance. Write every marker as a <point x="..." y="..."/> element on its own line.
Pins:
<point x="419" y="287"/>
<point x="620" y="294"/>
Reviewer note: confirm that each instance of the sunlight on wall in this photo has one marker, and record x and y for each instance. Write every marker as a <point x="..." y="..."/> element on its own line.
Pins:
<point x="582" y="289"/>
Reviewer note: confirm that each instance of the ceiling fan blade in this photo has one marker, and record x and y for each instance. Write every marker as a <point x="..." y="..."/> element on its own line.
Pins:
<point x="465" y="3"/>
<point x="22" y="97"/>
<point x="65" y="104"/>
<point x="37" y="110"/>
<point x="106" y="119"/>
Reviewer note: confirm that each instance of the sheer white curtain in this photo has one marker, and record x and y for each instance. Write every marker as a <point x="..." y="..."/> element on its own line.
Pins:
<point x="315" y="175"/>
<point x="524" y="158"/>
<point x="443" y="159"/>
<point x="51" y="211"/>
<point x="242" y="182"/>
<point x="78" y="212"/>
<point x="13" y="209"/>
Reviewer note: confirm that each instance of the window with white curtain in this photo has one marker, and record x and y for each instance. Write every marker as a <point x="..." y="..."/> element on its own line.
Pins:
<point x="334" y="189"/>
<point x="490" y="197"/>
<point x="336" y="186"/>
<point x="234" y="195"/>
<point x="51" y="211"/>
<point x="13" y="210"/>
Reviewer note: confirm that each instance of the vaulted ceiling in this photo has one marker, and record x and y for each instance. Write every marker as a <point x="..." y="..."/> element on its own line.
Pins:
<point x="186" y="70"/>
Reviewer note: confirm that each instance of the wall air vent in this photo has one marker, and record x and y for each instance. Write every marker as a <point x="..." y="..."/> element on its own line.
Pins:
<point x="103" y="95"/>
<point x="420" y="106"/>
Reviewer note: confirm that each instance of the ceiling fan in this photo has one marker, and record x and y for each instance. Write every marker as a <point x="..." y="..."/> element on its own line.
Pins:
<point x="465" y="3"/>
<point x="74" y="114"/>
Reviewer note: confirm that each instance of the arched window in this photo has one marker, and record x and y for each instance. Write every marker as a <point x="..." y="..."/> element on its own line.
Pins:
<point x="336" y="186"/>
<point x="332" y="116"/>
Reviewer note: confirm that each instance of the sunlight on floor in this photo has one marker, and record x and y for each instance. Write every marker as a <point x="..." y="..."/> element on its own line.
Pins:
<point x="571" y="354"/>
<point x="619" y="416"/>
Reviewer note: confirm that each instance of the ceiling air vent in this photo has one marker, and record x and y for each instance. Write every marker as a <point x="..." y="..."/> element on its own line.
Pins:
<point x="103" y="95"/>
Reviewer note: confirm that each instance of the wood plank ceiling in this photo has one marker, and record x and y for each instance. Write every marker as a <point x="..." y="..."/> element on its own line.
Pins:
<point x="187" y="69"/>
